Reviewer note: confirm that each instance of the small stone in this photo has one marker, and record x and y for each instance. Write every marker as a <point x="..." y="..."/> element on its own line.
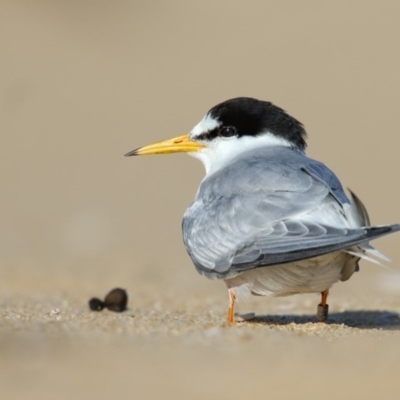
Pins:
<point x="96" y="304"/>
<point x="116" y="300"/>
<point x="55" y="311"/>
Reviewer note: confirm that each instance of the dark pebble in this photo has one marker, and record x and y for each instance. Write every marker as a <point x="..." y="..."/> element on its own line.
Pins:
<point x="116" y="300"/>
<point x="96" y="304"/>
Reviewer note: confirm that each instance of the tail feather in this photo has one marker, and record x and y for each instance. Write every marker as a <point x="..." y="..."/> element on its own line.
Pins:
<point x="363" y="256"/>
<point x="359" y="216"/>
<point x="374" y="252"/>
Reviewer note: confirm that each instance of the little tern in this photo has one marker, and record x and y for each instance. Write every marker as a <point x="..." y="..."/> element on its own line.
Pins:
<point x="267" y="219"/>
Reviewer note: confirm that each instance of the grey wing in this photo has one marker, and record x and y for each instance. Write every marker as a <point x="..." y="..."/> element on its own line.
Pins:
<point x="316" y="240"/>
<point x="256" y="213"/>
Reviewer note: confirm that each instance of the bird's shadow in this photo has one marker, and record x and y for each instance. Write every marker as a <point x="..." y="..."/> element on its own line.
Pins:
<point x="362" y="319"/>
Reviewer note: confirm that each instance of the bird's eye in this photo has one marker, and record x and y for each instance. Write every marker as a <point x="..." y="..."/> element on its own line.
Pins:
<point x="228" y="131"/>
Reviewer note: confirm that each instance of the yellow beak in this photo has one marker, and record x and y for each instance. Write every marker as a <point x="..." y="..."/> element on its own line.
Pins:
<point x="175" y="145"/>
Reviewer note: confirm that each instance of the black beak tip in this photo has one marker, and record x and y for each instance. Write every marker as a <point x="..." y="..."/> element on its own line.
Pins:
<point x="131" y="153"/>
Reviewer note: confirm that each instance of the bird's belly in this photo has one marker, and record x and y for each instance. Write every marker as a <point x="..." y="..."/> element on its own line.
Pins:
<point x="306" y="276"/>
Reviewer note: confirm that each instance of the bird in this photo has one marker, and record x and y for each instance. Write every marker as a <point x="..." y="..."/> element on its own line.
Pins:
<point x="267" y="219"/>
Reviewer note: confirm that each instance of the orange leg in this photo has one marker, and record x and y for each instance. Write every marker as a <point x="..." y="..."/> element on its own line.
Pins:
<point x="232" y="299"/>
<point x="322" y="311"/>
<point x="324" y="297"/>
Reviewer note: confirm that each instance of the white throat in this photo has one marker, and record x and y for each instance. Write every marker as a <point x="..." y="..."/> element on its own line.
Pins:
<point x="221" y="151"/>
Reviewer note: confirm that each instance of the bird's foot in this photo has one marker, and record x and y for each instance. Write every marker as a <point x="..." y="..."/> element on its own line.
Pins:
<point x="232" y="299"/>
<point x="322" y="312"/>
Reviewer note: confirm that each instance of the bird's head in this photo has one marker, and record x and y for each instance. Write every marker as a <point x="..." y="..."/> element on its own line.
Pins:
<point x="229" y="129"/>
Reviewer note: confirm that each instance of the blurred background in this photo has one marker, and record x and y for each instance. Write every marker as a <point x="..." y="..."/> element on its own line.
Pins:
<point x="84" y="82"/>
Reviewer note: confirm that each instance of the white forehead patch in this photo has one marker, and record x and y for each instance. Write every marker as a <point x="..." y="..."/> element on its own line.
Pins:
<point x="208" y="123"/>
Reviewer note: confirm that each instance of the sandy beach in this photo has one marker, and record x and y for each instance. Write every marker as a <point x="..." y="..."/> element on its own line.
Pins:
<point x="83" y="84"/>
